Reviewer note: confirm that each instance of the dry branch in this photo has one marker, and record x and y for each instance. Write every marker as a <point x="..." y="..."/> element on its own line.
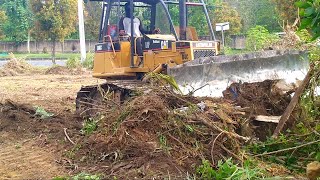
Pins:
<point x="287" y="149"/>
<point x="284" y="118"/>
<point x="66" y="134"/>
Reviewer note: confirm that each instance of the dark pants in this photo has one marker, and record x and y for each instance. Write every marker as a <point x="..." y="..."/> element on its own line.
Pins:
<point x="139" y="50"/>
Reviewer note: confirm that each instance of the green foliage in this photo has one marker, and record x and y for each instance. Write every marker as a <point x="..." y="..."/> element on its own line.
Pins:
<point x="89" y="126"/>
<point x="226" y="13"/>
<point x="309" y="11"/>
<point x="73" y="62"/>
<point x="304" y="35"/>
<point x="294" y="159"/>
<point x="228" y="170"/>
<point x="55" y="19"/>
<point x="168" y="79"/>
<point x="124" y="114"/>
<point x="287" y="11"/>
<point x="205" y="171"/>
<point x="164" y="143"/>
<point x="88" y="62"/>
<point x="253" y="13"/>
<point x="42" y="113"/>
<point x="3" y="19"/>
<point x="229" y="51"/>
<point x="19" y="20"/>
<point x="81" y="176"/>
<point x="72" y="153"/>
<point x="92" y="19"/>
<point x="259" y="38"/>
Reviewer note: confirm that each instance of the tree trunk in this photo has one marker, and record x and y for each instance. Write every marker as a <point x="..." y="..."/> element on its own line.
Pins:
<point x="28" y="42"/>
<point x="62" y="46"/>
<point x="54" y="51"/>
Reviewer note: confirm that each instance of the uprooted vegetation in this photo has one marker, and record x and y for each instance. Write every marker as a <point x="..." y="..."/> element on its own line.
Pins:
<point x="158" y="133"/>
<point x="149" y="135"/>
<point x="16" y="66"/>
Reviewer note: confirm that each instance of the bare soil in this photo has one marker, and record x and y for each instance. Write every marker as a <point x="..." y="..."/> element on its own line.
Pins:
<point x="147" y="137"/>
<point x="32" y="148"/>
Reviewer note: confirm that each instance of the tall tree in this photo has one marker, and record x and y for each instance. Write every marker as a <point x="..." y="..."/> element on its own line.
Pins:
<point x="287" y="10"/>
<point x="226" y="13"/>
<point x="55" y="20"/>
<point x="19" y="20"/>
<point x="3" y="19"/>
<point x="92" y="19"/>
<point x="253" y="13"/>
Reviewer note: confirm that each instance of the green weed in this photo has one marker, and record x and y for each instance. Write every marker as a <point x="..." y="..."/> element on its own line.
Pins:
<point x="88" y="62"/>
<point x="18" y="146"/>
<point x="164" y="143"/>
<point x="71" y="153"/>
<point x="89" y="126"/>
<point x="294" y="158"/>
<point x="228" y="171"/>
<point x="259" y="37"/>
<point x="81" y="176"/>
<point x="42" y="113"/>
<point x="73" y="62"/>
<point x="167" y="78"/>
<point x="124" y="114"/>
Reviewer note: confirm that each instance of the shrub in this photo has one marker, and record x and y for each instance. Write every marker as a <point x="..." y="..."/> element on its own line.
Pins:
<point x="45" y="50"/>
<point x="228" y="170"/>
<point x="259" y="38"/>
<point x="88" y="63"/>
<point x="73" y="62"/>
<point x="89" y="126"/>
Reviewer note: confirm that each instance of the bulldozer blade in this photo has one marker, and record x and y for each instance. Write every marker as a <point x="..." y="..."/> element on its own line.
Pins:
<point x="211" y="75"/>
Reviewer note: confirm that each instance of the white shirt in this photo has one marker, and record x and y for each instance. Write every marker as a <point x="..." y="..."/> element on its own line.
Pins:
<point x="127" y="26"/>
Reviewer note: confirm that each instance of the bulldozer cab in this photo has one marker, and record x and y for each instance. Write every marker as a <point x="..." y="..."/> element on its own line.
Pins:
<point x="126" y="57"/>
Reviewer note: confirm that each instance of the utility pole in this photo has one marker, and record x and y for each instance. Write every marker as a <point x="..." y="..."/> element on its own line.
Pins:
<point x="81" y="31"/>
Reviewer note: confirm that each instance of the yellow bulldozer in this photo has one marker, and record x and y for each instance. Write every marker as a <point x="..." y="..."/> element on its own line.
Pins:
<point x="117" y="56"/>
<point x="124" y="56"/>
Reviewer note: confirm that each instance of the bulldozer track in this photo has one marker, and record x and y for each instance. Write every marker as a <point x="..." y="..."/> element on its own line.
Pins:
<point x="27" y="161"/>
<point x="90" y="96"/>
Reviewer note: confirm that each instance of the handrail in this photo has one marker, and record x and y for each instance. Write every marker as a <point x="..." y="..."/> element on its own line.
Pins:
<point x="114" y="51"/>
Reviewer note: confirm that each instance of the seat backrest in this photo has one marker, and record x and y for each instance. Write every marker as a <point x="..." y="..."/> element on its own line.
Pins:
<point x="191" y="33"/>
<point x="112" y="31"/>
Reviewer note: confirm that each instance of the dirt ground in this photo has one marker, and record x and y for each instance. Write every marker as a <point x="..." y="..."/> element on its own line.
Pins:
<point x="28" y="146"/>
<point x="34" y="148"/>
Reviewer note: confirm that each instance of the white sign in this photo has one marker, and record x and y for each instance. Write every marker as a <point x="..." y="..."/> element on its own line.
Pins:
<point x="222" y="26"/>
<point x="203" y="45"/>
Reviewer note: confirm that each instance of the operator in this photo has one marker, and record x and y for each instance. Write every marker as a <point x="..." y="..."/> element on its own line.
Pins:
<point x="138" y="30"/>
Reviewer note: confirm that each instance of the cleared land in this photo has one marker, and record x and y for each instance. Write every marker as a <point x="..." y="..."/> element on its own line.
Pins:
<point x="149" y="136"/>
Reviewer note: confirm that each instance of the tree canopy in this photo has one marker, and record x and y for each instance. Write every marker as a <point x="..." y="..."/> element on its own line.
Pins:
<point x="55" y="19"/>
<point x="3" y="18"/>
<point x="309" y="12"/>
<point x="18" y="20"/>
<point x="225" y="13"/>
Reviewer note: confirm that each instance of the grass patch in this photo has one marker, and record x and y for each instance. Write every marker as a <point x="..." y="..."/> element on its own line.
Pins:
<point x="80" y="176"/>
<point x="42" y="55"/>
<point x="228" y="170"/>
<point x="89" y="126"/>
<point x="42" y="113"/>
<point x="72" y="153"/>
